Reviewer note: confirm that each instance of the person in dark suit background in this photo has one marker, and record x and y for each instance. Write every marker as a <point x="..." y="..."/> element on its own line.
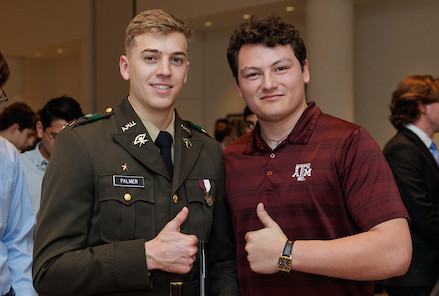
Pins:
<point x="410" y="153"/>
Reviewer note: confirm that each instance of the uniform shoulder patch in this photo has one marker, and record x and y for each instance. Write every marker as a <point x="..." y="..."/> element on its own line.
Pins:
<point x="197" y="127"/>
<point x="91" y="117"/>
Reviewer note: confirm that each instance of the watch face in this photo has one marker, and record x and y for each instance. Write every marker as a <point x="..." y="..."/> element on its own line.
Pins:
<point x="284" y="264"/>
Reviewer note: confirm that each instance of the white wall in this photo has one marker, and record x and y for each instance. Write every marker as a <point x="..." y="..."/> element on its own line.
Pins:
<point x="393" y="39"/>
<point x="29" y="26"/>
<point x="45" y="79"/>
<point x="210" y="92"/>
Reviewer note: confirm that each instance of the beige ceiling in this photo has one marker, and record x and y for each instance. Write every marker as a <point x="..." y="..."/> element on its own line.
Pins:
<point x="41" y="27"/>
<point x="31" y="28"/>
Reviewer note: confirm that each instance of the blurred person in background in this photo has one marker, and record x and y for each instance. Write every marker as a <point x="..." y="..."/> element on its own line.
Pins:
<point x="16" y="216"/>
<point x="250" y="119"/>
<point x="17" y="125"/>
<point x="225" y="133"/>
<point x="413" y="158"/>
<point x="53" y="118"/>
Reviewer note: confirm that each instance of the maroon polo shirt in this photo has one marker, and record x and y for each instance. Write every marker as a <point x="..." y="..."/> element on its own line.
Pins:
<point x="328" y="179"/>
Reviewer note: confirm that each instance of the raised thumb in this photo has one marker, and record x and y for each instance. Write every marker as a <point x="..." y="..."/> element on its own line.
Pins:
<point x="264" y="217"/>
<point x="174" y="224"/>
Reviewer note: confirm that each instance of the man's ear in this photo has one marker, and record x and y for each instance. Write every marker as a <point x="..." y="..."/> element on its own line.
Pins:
<point x="40" y="129"/>
<point x="422" y="108"/>
<point x="187" y="70"/>
<point x="123" y="67"/>
<point x="305" y="72"/>
<point x="239" y="89"/>
<point x="13" y="128"/>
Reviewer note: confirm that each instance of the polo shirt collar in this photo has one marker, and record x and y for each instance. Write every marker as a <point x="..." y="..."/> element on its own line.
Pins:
<point x="300" y="134"/>
<point x="38" y="159"/>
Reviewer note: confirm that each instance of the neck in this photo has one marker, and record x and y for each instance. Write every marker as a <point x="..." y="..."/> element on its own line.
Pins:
<point x="44" y="153"/>
<point x="5" y="134"/>
<point x="160" y="118"/>
<point x="8" y="135"/>
<point x="275" y="131"/>
<point x="423" y="125"/>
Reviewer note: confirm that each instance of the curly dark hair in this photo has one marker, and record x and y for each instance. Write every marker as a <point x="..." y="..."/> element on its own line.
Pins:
<point x="4" y="70"/>
<point x="270" y="31"/>
<point x="19" y="113"/>
<point x="411" y="91"/>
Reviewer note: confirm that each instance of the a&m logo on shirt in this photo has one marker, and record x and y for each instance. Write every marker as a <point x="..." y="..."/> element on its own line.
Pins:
<point x="302" y="170"/>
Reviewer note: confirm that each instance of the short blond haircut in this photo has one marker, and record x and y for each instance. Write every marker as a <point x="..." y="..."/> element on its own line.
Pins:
<point x="154" y="21"/>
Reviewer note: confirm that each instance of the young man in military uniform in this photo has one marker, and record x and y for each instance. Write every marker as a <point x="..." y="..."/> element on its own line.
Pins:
<point x="121" y="216"/>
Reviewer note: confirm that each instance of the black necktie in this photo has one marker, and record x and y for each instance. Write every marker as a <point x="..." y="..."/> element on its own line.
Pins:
<point x="164" y="141"/>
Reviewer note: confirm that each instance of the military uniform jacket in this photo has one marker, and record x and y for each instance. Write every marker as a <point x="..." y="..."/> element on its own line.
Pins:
<point x="107" y="191"/>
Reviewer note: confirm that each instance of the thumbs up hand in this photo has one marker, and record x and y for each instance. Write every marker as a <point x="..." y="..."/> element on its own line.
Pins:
<point x="171" y="250"/>
<point x="264" y="246"/>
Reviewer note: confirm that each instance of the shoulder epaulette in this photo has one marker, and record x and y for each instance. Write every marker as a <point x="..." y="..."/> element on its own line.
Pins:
<point x="197" y="127"/>
<point x="91" y="117"/>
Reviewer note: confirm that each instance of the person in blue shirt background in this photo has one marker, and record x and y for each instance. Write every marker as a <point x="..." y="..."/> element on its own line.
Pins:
<point x="16" y="216"/>
<point x="53" y="118"/>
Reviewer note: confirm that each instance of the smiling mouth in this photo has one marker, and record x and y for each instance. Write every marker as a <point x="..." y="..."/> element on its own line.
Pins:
<point x="271" y="96"/>
<point x="161" y="86"/>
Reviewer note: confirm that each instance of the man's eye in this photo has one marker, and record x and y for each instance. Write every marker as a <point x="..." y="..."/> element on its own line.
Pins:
<point x="252" y="75"/>
<point x="177" y="60"/>
<point x="250" y="125"/>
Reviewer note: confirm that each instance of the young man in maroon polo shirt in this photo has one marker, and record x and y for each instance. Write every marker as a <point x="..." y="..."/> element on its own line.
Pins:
<point x="314" y="204"/>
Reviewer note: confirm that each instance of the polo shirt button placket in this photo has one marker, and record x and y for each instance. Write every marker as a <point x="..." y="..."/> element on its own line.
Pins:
<point x="272" y="156"/>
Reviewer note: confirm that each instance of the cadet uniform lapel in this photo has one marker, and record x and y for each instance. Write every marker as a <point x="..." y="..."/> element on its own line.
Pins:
<point x="132" y="135"/>
<point x="187" y="149"/>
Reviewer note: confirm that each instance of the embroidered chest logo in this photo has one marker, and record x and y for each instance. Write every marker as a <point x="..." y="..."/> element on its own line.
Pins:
<point x="302" y="170"/>
<point x="140" y="140"/>
<point x="128" y="126"/>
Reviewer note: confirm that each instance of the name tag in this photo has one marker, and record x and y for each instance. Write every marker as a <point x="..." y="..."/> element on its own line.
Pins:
<point x="128" y="181"/>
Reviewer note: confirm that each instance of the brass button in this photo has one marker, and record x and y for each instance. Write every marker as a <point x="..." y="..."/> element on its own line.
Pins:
<point x="109" y="109"/>
<point x="175" y="198"/>
<point x="127" y="197"/>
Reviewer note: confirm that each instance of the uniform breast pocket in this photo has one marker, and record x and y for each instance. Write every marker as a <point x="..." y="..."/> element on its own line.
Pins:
<point x="201" y="202"/>
<point x="126" y="207"/>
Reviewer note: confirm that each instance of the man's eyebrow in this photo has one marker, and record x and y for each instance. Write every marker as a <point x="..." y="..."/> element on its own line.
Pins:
<point x="281" y="61"/>
<point x="248" y="68"/>
<point x="180" y="53"/>
<point x="150" y="50"/>
<point x="251" y="68"/>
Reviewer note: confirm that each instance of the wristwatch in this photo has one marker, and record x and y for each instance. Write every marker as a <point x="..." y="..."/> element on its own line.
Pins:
<point x="284" y="262"/>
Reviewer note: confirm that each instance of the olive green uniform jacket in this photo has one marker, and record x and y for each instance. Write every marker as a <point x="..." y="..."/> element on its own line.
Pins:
<point x="106" y="191"/>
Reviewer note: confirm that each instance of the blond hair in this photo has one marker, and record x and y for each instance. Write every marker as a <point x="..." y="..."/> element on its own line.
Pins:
<point x="154" y="21"/>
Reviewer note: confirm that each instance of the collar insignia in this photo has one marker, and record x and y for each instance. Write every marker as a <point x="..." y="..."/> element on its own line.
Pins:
<point x="140" y="140"/>
<point x="187" y="143"/>
<point x="186" y="129"/>
<point x="128" y="126"/>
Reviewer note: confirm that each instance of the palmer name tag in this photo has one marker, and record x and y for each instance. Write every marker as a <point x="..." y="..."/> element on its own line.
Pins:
<point x="128" y="181"/>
